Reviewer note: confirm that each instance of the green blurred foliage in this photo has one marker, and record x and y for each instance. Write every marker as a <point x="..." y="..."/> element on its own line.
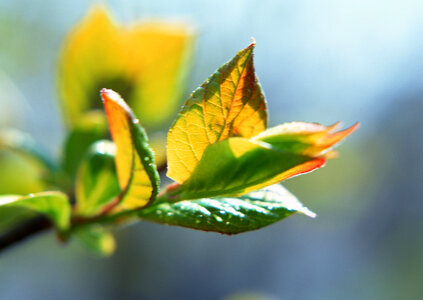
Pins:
<point x="21" y="173"/>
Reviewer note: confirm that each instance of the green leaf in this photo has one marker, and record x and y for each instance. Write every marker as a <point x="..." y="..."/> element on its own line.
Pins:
<point x="311" y="139"/>
<point x="237" y="165"/>
<point x="24" y="167"/>
<point x="97" y="184"/>
<point x="12" y="216"/>
<point x="135" y="163"/>
<point x="229" y="215"/>
<point x="96" y="239"/>
<point x="89" y="128"/>
<point x="229" y="103"/>
<point x="54" y="205"/>
<point x="24" y="143"/>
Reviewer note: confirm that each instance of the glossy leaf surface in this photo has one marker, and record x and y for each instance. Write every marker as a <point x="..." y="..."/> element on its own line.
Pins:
<point x="97" y="184"/>
<point x="136" y="169"/>
<point x="146" y="62"/>
<point x="54" y="205"/>
<point x="229" y="103"/>
<point x="229" y="215"/>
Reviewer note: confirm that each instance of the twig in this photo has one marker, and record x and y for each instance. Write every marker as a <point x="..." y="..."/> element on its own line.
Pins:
<point x="23" y="231"/>
<point x="36" y="225"/>
<point x="162" y="168"/>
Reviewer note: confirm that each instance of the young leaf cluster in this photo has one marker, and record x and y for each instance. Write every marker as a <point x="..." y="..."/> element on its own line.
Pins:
<point x="225" y="163"/>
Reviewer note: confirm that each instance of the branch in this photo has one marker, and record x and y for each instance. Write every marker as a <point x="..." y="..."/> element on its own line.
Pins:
<point x="39" y="224"/>
<point x="23" y="231"/>
<point x="162" y="168"/>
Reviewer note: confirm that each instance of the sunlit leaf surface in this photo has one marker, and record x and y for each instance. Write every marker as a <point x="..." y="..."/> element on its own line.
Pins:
<point x="136" y="169"/>
<point x="309" y="139"/>
<point x="229" y="215"/>
<point x="237" y="165"/>
<point x="54" y="205"/>
<point x="145" y="62"/>
<point x="229" y="103"/>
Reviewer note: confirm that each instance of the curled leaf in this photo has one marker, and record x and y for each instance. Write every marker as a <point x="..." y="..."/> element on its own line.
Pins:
<point x="136" y="169"/>
<point x="97" y="184"/>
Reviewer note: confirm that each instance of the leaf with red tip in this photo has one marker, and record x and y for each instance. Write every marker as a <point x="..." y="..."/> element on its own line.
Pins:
<point x="137" y="173"/>
<point x="230" y="103"/>
<point x="309" y="139"/>
<point x="237" y="166"/>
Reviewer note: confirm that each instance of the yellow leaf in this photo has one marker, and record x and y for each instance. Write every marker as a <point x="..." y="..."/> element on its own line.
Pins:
<point x="230" y="103"/>
<point x="146" y="63"/>
<point x="135" y="165"/>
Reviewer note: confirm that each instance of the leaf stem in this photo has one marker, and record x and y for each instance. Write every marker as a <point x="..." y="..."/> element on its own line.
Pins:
<point x="39" y="224"/>
<point x="24" y="231"/>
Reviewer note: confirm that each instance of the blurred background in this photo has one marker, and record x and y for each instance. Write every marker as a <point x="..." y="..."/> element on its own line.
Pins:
<point x="319" y="61"/>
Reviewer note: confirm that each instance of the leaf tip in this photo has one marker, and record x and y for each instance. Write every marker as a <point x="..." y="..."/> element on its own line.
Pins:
<point x="334" y="138"/>
<point x="253" y="43"/>
<point x="307" y="212"/>
<point x="110" y="96"/>
<point x="107" y="94"/>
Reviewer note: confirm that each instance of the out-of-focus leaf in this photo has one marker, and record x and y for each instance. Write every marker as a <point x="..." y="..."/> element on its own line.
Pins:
<point x="229" y="215"/>
<point x="54" y="205"/>
<point x="88" y="129"/>
<point x="23" y="142"/>
<point x="309" y="139"/>
<point x="229" y="103"/>
<point x="97" y="184"/>
<point x="237" y="165"/>
<point x="146" y="62"/>
<point x="136" y="168"/>
<point x="24" y="167"/>
<point x="12" y="216"/>
<point x="96" y="239"/>
<point x="20" y="173"/>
